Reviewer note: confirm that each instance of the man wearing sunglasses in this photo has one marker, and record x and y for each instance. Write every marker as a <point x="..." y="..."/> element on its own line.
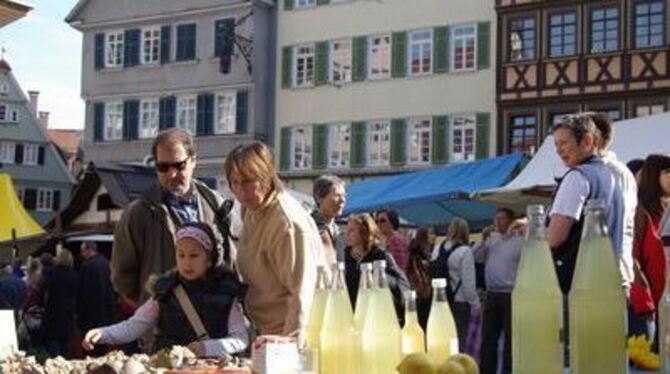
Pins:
<point x="144" y="236"/>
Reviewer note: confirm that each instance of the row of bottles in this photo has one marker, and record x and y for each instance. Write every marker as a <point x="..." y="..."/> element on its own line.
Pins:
<point x="596" y="303"/>
<point x="371" y="340"/>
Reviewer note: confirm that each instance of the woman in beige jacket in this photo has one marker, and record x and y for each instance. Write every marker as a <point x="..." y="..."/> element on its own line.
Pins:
<point x="279" y="245"/>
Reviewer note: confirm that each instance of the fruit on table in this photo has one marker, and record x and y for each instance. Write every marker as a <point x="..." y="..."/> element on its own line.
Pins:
<point x="451" y="367"/>
<point x="416" y="363"/>
<point x="421" y="363"/>
<point x="639" y="351"/>
<point x="468" y="363"/>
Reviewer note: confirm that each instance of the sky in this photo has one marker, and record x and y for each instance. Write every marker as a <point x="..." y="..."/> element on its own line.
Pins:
<point x="45" y="55"/>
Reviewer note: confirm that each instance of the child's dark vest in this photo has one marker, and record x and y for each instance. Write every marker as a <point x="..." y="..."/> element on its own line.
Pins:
<point x="212" y="299"/>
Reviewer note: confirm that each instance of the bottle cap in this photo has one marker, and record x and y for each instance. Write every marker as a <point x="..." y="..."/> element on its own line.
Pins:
<point x="411" y="294"/>
<point x="340" y="266"/>
<point x="535" y="210"/>
<point x="380" y="264"/>
<point x="595" y="204"/>
<point x="439" y="283"/>
<point x="366" y="266"/>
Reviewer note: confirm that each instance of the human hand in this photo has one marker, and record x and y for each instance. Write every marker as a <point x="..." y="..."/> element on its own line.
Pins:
<point x="486" y="233"/>
<point x="518" y="227"/>
<point x="91" y="338"/>
<point x="198" y="348"/>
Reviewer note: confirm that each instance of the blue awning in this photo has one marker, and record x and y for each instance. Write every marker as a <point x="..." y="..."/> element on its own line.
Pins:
<point x="435" y="195"/>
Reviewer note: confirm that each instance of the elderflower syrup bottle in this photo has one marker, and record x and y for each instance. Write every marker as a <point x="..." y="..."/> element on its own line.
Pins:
<point x="441" y="334"/>
<point x="365" y="286"/>
<point x="318" y="307"/>
<point x="413" y="339"/>
<point x="537" y="307"/>
<point x="597" y="301"/>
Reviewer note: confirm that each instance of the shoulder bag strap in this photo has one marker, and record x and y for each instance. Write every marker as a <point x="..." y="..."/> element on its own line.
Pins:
<point x="191" y="314"/>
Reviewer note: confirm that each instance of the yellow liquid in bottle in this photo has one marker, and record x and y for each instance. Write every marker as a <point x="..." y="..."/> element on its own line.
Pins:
<point x="316" y="318"/>
<point x="536" y="313"/>
<point x="381" y="342"/>
<point x="413" y="339"/>
<point x="362" y="301"/>
<point x="441" y="335"/>
<point x="597" y="311"/>
<point x="338" y="335"/>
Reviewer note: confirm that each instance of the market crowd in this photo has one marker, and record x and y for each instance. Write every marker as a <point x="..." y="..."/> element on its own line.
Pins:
<point x="185" y="277"/>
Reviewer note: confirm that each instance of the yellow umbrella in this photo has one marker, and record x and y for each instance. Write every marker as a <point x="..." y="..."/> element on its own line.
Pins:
<point x="12" y="214"/>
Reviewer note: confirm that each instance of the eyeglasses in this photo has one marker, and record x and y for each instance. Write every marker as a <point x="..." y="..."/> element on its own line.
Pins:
<point x="164" y="167"/>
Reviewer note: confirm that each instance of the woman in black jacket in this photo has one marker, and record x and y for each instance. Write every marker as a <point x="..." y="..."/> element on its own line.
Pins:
<point x="362" y="247"/>
<point x="60" y="304"/>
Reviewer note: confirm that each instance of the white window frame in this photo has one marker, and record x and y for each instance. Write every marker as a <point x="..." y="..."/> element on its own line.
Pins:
<point x="187" y="106"/>
<point x="114" y="48"/>
<point x="643" y="110"/>
<point x="45" y="200"/>
<point x="225" y="116"/>
<point x="377" y="149"/>
<point x="339" y="145"/>
<point x="420" y="40"/>
<point x="379" y="57"/>
<point x="149" y="118"/>
<point x="341" y="61"/>
<point x="30" y="154"/>
<point x="463" y="123"/>
<point x="419" y="134"/>
<point x="113" y="120"/>
<point x="305" y="59"/>
<point x="150" y="50"/>
<point x="302" y="4"/>
<point x="302" y="151"/>
<point x="461" y="41"/>
<point x="7" y="152"/>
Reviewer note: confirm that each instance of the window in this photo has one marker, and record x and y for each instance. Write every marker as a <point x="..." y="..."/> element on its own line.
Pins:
<point x="20" y="193"/>
<point x="186" y="109"/>
<point x="419" y="141"/>
<point x="4" y="87"/>
<point x="648" y="109"/>
<point x="226" y="113"/>
<point x="304" y="3"/>
<point x="463" y="48"/>
<point x="45" y="200"/>
<point x="114" y="120"/>
<point x="15" y="115"/>
<point x="114" y="49"/>
<point x="339" y="139"/>
<point x="303" y="74"/>
<point x="30" y="154"/>
<point x="420" y="52"/>
<point x="151" y="44"/>
<point x="186" y="39"/>
<point x="604" y="29"/>
<point x="380" y="57"/>
<point x="379" y="143"/>
<point x="302" y="148"/>
<point x="614" y="114"/>
<point x="649" y="24"/>
<point x="522" y="133"/>
<point x="463" y="138"/>
<point x="340" y="61"/>
<point x="562" y="34"/>
<point x="3" y="112"/>
<point x="148" y="118"/>
<point x="522" y="39"/>
<point x="7" y="152"/>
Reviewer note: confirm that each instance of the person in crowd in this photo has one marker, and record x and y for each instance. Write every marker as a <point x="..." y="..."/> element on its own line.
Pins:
<point x="500" y="251"/>
<point x="12" y="289"/>
<point x="31" y="309"/>
<point x="96" y="299"/>
<point x="279" y="246"/>
<point x="455" y="261"/>
<point x="635" y="167"/>
<point x="144" y="235"/>
<point x="212" y="292"/>
<point x="329" y="196"/>
<point x="648" y="252"/>
<point x="420" y="250"/>
<point x="59" y="297"/>
<point x="578" y="144"/>
<point x="396" y="243"/>
<point x="363" y="239"/>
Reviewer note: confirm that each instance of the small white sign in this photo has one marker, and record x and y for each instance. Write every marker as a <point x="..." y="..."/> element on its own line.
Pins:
<point x="8" y="342"/>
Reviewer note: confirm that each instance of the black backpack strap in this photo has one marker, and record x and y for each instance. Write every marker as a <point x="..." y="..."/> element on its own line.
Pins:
<point x="222" y="219"/>
<point x="448" y="254"/>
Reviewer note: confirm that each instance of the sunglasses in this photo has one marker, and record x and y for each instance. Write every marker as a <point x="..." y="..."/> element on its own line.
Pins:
<point x="164" y="167"/>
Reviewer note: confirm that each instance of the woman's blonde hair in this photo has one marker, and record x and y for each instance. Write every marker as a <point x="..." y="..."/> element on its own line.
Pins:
<point x="367" y="229"/>
<point x="459" y="231"/>
<point x="253" y="161"/>
<point x="64" y="258"/>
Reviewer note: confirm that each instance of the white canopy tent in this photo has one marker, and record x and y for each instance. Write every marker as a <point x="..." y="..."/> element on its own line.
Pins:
<point x="633" y="138"/>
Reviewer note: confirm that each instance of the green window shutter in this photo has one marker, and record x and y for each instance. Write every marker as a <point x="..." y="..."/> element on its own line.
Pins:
<point x="320" y="141"/>
<point x="285" y="149"/>
<point x="288" y="4"/>
<point x="322" y="2"/>
<point x="358" y="133"/>
<point x="286" y="66"/>
<point x="322" y="49"/>
<point x="441" y="49"/>
<point x="360" y="58"/>
<point x="398" y="141"/>
<point x="482" y="141"/>
<point x="439" y="146"/>
<point x="399" y="52"/>
<point x="483" y="45"/>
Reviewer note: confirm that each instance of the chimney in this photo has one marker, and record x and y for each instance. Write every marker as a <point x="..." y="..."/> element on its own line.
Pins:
<point x="44" y="119"/>
<point x="33" y="100"/>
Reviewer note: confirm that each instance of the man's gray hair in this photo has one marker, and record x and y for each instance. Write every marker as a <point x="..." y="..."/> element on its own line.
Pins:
<point x="323" y="185"/>
<point x="579" y="125"/>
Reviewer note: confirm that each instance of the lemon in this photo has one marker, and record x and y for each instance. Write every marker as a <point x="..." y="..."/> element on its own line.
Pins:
<point x="468" y="363"/>
<point x="451" y="367"/>
<point x="416" y="363"/>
